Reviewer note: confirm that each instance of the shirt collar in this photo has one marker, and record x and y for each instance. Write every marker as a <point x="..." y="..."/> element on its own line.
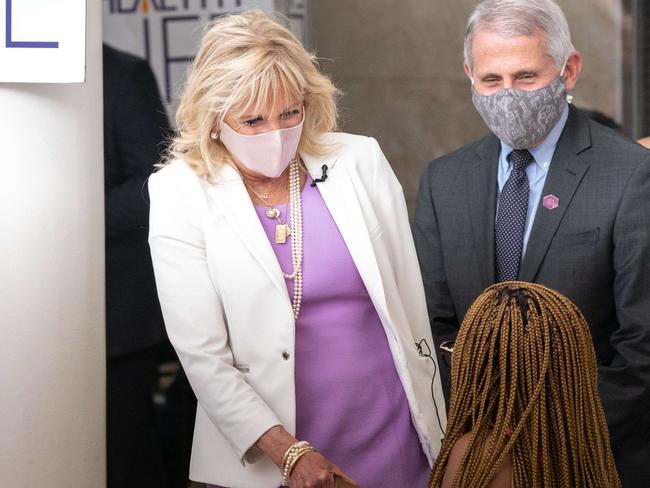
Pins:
<point x="543" y="153"/>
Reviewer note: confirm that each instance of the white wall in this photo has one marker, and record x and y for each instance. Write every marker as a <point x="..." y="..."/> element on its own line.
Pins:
<point x="52" y="412"/>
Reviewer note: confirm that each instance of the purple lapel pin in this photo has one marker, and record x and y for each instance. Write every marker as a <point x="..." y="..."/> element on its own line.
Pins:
<point x="551" y="202"/>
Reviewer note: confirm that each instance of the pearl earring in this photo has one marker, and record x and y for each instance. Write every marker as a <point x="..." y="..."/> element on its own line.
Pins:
<point x="213" y="134"/>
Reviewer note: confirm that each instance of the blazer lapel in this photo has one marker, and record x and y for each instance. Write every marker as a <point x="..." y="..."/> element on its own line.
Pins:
<point x="482" y="197"/>
<point x="564" y="176"/>
<point x="232" y="200"/>
<point x="342" y="200"/>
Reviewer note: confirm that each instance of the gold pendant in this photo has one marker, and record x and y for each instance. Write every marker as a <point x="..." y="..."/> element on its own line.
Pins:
<point x="281" y="233"/>
<point x="272" y="213"/>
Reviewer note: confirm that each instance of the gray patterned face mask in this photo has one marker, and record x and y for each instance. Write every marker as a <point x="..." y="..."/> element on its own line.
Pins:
<point x="520" y="118"/>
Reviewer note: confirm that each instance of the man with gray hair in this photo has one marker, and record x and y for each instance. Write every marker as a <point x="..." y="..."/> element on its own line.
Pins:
<point x="548" y="197"/>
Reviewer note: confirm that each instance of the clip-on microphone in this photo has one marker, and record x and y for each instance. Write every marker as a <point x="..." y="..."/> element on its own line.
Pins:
<point x="322" y="178"/>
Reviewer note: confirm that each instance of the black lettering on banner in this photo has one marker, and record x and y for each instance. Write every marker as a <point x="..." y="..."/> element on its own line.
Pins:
<point x="111" y="6"/>
<point x="125" y="10"/>
<point x="161" y="6"/>
<point x="204" y="4"/>
<point x="168" y="59"/>
<point x="147" y="46"/>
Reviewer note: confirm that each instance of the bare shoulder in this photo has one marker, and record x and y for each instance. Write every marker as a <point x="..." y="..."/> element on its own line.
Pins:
<point x="455" y="458"/>
<point x="502" y="479"/>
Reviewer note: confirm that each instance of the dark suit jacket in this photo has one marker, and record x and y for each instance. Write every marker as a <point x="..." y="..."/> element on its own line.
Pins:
<point x="135" y="124"/>
<point x="594" y="248"/>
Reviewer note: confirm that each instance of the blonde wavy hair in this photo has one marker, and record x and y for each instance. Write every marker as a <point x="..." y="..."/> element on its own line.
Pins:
<point x="248" y="61"/>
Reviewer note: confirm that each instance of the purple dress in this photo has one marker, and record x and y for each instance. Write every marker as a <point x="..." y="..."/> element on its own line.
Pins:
<point x="350" y="404"/>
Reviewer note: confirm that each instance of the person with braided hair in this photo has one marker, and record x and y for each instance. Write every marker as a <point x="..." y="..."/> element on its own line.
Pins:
<point x="525" y="409"/>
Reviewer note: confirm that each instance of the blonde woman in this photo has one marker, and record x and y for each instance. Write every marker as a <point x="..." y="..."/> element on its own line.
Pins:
<point x="525" y="409"/>
<point x="288" y="278"/>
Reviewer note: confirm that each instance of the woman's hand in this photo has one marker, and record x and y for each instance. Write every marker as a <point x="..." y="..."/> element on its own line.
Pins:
<point x="313" y="470"/>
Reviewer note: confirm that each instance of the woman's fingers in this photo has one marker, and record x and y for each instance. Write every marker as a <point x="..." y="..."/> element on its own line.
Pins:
<point x="312" y="470"/>
<point x="342" y="480"/>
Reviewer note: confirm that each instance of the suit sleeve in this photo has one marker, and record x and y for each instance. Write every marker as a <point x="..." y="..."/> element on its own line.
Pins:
<point x="442" y="315"/>
<point x="195" y="319"/>
<point x="625" y="381"/>
<point x="140" y="128"/>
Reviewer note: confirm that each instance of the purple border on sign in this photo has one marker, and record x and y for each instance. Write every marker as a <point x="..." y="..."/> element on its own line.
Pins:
<point x="10" y="43"/>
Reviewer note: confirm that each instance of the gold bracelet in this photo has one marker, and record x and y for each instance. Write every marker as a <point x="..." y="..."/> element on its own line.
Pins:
<point x="286" y="470"/>
<point x="296" y="458"/>
<point x="291" y="449"/>
<point x="289" y="458"/>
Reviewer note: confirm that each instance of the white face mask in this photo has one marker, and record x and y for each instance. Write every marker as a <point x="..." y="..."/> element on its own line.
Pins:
<point x="266" y="154"/>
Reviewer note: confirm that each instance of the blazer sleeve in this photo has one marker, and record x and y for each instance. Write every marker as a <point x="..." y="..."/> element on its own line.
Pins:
<point x="442" y="314"/>
<point x="389" y="198"/>
<point x="625" y="381"/>
<point x="194" y="316"/>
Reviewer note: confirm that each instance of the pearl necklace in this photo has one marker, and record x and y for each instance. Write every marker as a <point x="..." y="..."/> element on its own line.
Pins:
<point x="295" y="231"/>
<point x="295" y="217"/>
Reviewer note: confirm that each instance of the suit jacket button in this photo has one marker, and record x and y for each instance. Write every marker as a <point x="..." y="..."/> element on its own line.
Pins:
<point x="286" y="355"/>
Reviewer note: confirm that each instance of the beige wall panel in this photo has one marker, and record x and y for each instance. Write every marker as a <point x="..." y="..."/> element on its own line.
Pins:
<point x="408" y="122"/>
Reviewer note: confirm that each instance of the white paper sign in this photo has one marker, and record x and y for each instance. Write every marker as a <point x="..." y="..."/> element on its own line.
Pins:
<point x="43" y="41"/>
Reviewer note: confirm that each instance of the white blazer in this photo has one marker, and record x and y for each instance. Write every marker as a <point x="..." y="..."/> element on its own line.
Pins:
<point x="228" y="312"/>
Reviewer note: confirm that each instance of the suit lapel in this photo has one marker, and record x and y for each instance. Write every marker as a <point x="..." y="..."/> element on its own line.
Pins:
<point x="342" y="200"/>
<point x="564" y="176"/>
<point x="482" y="197"/>
<point x="232" y="200"/>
